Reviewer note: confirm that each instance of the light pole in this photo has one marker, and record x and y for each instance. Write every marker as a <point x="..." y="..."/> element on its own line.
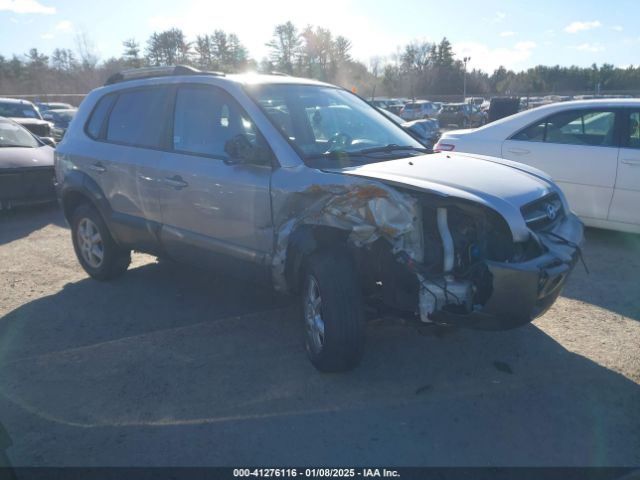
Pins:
<point x="464" y="79"/>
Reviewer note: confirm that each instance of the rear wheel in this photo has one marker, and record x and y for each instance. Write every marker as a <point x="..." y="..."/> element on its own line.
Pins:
<point x="333" y="313"/>
<point x="95" y="248"/>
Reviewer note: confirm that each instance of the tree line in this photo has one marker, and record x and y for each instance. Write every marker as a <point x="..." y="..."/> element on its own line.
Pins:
<point x="419" y="69"/>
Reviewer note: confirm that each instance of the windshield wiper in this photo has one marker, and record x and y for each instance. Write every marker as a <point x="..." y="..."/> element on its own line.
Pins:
<point x="392" y="147"/>
<point x="335" y="154"/>
<point x="15" y="146"/>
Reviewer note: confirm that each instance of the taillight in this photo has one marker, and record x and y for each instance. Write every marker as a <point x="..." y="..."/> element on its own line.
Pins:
<point x="443" y="147"/>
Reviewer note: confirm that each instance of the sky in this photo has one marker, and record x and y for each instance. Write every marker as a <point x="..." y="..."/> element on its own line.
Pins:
<point x="516" y="34"/>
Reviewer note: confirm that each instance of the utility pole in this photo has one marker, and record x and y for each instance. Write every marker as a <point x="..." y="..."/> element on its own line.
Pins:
<point x="464" y="79"/>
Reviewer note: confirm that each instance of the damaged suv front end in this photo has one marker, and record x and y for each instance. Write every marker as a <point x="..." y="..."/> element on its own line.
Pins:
<point x="446" y="238"/>
<point x="449" y="257"/>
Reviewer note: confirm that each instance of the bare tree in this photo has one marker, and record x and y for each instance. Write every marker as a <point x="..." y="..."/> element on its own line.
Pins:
<point x="285" y="46"/>
<point x="86" y="50"/>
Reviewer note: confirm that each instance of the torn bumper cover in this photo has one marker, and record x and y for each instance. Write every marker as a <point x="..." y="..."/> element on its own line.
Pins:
<point x="368" y="211"/>
<point x="523" y="291"/>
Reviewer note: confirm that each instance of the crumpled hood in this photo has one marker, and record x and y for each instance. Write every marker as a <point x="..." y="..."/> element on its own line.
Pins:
<point x="20" y="157"/>
<point x="461" y="175"/>
<point x="498" y="184"/>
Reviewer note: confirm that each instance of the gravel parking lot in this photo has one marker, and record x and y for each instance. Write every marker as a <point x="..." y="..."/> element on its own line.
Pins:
<point x="172" y="366"/>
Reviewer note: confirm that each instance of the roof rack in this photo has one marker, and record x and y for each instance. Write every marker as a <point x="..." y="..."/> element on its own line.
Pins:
<point x="279" y="74"/>
<point x="151" y="72"/>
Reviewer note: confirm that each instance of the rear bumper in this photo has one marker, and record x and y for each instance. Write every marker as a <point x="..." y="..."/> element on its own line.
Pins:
<point x="523" y="291"/>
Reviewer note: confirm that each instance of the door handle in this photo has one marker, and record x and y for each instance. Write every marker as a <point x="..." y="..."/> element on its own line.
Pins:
<point x="176" y="182"/>
<point x="518" y="151"/>
<point x="144" y="178"/>
<point x="98" y="167"/>
<point x="631" y="161"/>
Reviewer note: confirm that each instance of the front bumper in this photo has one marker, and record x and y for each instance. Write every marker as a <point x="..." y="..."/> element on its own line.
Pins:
<point x="26" y="186"/>
<point x="522" y="292"/>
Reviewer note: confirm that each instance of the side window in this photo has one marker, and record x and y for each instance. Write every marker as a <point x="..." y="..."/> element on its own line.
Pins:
<point x="138" y="117"/>
<point x="96" y="121"/>
<point x="634" y="130"/>
<point x="589" y="128"/>
<point x="209" y="122"/>
<point x="534" y="133"/>
<point x="593" y="128"/>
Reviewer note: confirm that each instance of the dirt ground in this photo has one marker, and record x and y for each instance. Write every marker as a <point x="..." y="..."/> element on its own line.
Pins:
<point x="172" y="366"/>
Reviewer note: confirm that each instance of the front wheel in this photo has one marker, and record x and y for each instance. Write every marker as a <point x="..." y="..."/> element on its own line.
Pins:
<point x="333" y="313"/>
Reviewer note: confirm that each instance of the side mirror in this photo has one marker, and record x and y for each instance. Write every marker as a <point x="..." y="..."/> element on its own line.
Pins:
<point x="241" y="150"/>
<point x="48" y="141"/>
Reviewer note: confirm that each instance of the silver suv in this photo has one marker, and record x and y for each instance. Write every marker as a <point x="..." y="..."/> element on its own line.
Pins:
<point x="305" y="186"/>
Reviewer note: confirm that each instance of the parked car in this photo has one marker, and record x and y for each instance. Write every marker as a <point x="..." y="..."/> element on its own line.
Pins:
<point x="590" y="148"/>
<point x="254" y="176"/>
<point x="380" y="102"/>
<point x="476" y="101"/>
<point x="60" y="120"/>
<point x="395" y="106"/>
<point x="47" y="106"/>
<point x="419" y="109"/>
<point x="426" y="130"/>
<point x="26" y="114"/>
<point x="26" y="167"/>
<point x="462" y="115"/>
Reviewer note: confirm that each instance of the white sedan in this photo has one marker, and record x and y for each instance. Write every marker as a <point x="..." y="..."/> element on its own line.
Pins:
<point x="591" y="148"/>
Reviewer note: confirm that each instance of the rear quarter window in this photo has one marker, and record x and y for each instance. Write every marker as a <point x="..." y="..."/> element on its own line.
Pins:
<point x="139" y="118"/>
<point x="94" y="127"/>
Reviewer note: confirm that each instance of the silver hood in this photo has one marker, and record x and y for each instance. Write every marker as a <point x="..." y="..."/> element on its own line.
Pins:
<point x="24" y="157"/>
<point x="501" y="185"/>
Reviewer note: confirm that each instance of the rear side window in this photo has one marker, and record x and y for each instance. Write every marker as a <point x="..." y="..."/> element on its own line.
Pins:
<point x="633" y="140"/>
<point x="589" y="128"/>
<point x="139" y="118"/>
<point x="98" y="116"/>
<point x="534" y="133"/>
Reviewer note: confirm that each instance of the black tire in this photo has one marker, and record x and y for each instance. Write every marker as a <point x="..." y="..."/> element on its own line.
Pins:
<point x="115" y="260"/>
<point x="341" y="311"/>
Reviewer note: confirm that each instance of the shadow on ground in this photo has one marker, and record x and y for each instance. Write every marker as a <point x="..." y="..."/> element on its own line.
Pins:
<point x="21" y="222"/>
<point x="169" y="366"/>
<point x="613" y="259"/>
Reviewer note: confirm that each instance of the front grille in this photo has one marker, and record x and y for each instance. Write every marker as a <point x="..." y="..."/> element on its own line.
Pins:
<point x="543" y="213"/>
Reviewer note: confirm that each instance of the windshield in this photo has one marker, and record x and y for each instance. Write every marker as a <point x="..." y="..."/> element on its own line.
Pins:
<point x="332" y="124"/>
<point x="12" y="135"/>
<point x="392" y="116"/>
<point x="19" y="110"/>
<point x="62" y="116"/>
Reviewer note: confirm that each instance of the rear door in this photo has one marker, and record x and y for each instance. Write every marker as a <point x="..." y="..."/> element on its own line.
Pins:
<point x="136" y="133"/>
<point x="579" y="149"/>
<point x="625" y="206"/>
<point x="215" y="210"/>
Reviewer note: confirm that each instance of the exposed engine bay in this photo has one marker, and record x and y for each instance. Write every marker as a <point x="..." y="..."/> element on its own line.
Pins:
<point x="441" y="259"/>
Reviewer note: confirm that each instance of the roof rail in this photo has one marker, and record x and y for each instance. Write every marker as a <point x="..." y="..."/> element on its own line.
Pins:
<point x="151" y="72"/>
<point x="279" y="74"/>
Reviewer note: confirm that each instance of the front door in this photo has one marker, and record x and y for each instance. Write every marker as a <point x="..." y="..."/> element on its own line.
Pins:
<point x="216" y="209"/>
<point x="579" y="149"/>
<point x="625" y="206"/>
